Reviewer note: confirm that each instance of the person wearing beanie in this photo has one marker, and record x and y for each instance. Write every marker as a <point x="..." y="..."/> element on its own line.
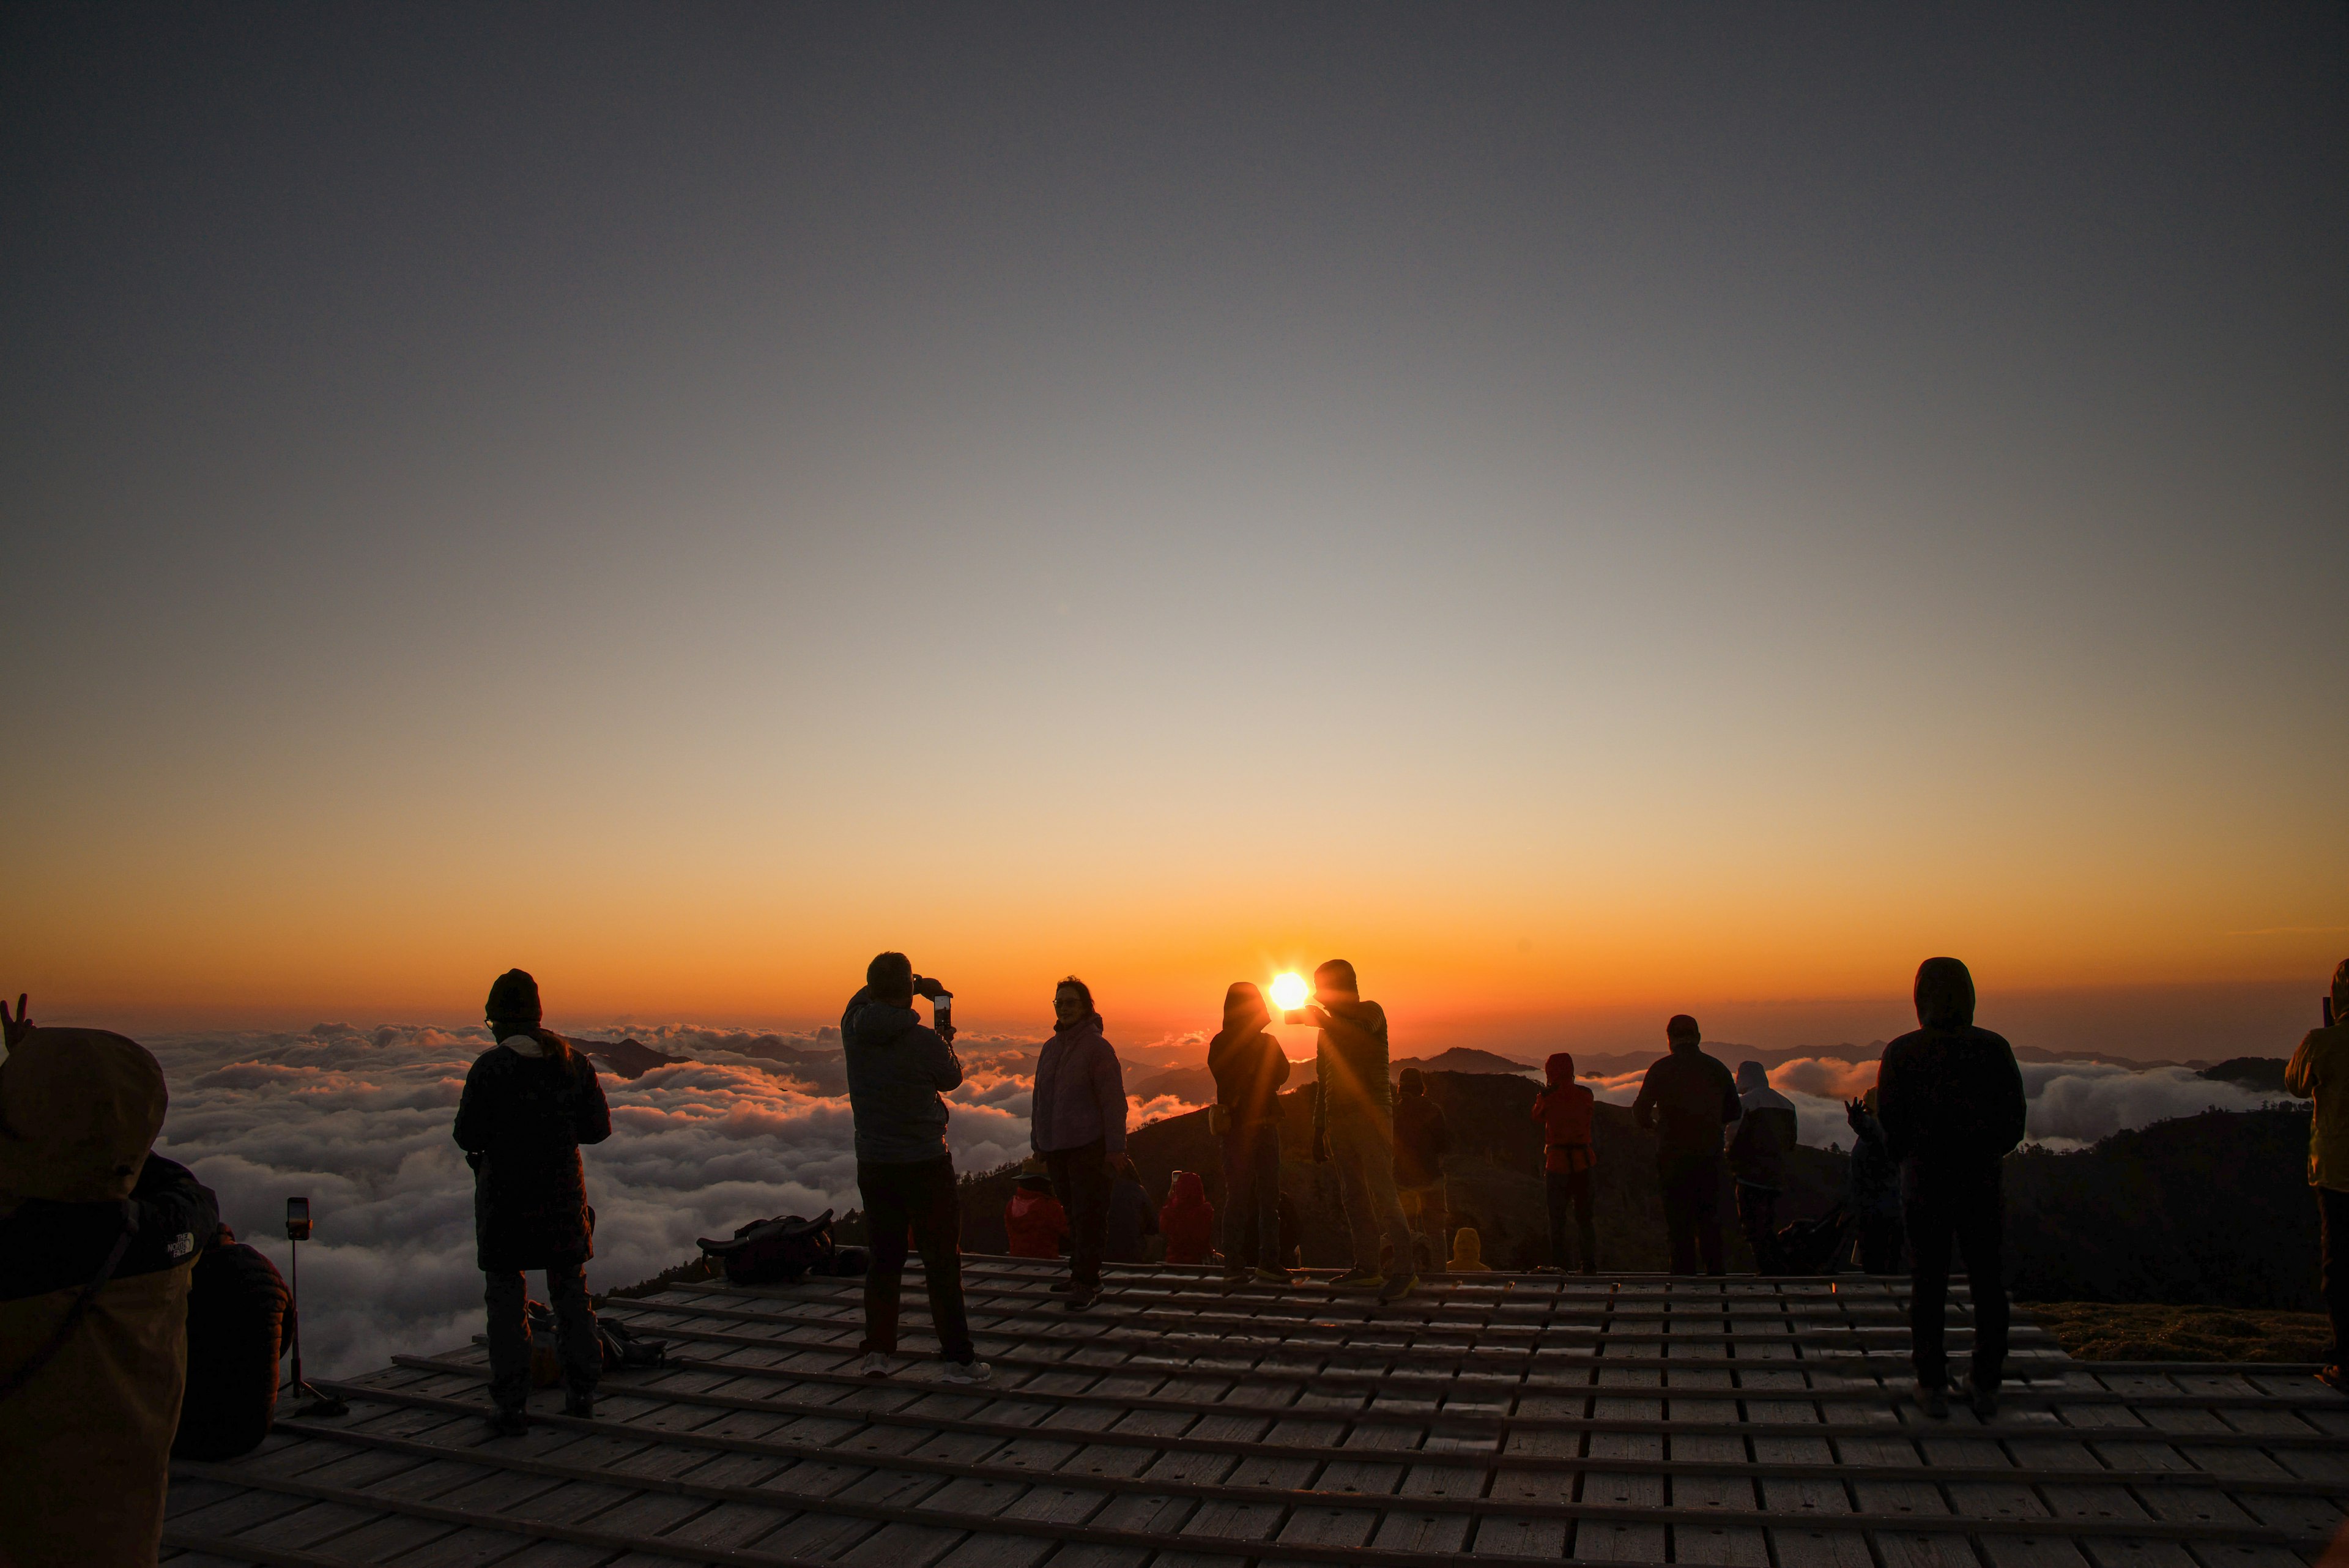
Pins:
<point x="99" y="1242"/>
<point x="1353" y="1127"/>
<point x="1757" y="1158"/>
<point x="1422" y="1138"/>
<point x="1950" y="1098"/>
<point x="1249" y="1066"/>
<point x="2319" y="1070"/>
<point x="529" y="1102"/>
<point x="1687" y="1098"/>
<point x="1565" y="1109"/>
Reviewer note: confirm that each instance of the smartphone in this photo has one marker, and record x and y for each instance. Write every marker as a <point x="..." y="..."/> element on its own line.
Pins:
<point x="297" y="1219"/>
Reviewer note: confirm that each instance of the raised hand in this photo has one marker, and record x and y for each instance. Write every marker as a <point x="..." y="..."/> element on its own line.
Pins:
<point x="12" y="1029"/>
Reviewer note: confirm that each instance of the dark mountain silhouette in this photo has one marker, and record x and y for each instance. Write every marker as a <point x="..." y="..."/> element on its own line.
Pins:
<point x="1464" y="1059"/>
<point x="1194" y="1084"/>
<point x="630" y="1058"/>
<point x="2251" y="1072"/>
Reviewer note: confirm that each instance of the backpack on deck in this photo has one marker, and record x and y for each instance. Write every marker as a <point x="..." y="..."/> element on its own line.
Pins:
<point x="240" y="1316"/>
<point x="1809" y="1246"/>
<point x="775" y="1251"/>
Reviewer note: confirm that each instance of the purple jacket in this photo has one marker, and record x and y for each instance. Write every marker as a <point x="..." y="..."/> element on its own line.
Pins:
<point x="1079" y="1091"/>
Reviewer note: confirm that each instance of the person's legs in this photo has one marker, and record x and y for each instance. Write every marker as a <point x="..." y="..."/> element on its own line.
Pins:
<point x="1558" y="1188"/>
<point x="1979" y="1217"/>
<point x="1758" y="1218"/>
<point x="2332" y="1262"/>
<point x="1354" y="1162"/>
<point x="1435" y="1215"/>
<point x="574" y="1329"/>
<point x="1081" y="1179"/>
<point x="1704" y="1197"/>
<point x="1929" y="1284"/>
<point x="1264" y="1163"/>
<point x="887" y="1217"/>
<point x="1237" y="1151"/>
<point x="1586" y="1219"/>
<point x="509" y="1333"/>
<point x="1879" y="1244"/>
<point x="937" y="1213"/>
<point x="1377" y="1146"/>
<point x="1680" y="1216"/>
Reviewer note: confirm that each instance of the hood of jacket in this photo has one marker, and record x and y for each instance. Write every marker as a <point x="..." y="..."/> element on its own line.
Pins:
<point x="1945" y="995"/>
<point x="1560" y="1068"/>
<point x="1244" y="1012"/>
<point x="1189" y="1192"/>
<point x="79" y="1108"/>
<point x="878" y="1023"/>
<point x="1467" y="1247"/>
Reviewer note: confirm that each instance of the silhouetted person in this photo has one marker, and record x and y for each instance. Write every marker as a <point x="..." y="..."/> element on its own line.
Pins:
<point x="99" y="1238"/>
<point x="1569" y="1159"/>
<point x="899" y="1071"/>
<point x="1077" y="1124"/>
<point x="1188" y="1220"/>
<point x="1132" y="1218"/>
<point x="1689" y="1097"/>
<point x="1467" y="1252"/>
<point x="530" y="1101"/>
<point x="240" y="1316"/>
<point x="1422" y="1139"/>
<point x="2320" y="1069"/>
<point x="1951" y="1101"/>
<point x="1034" y="1222"/>
<point x="1872" y="1192"/>
<point x="1249" y="1067"/>
<point x="1354" y="1127"/>
<point x="1758" y="1159"/>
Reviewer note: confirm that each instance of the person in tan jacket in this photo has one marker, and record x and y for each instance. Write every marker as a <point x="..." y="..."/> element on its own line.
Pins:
<point x="2319" y="1070"/>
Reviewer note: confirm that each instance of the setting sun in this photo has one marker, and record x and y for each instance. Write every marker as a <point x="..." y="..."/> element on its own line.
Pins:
<point x="1290" y="991"/>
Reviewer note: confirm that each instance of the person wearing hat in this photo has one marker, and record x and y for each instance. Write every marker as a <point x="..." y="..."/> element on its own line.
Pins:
<point x="529" y="1103"/>
<point x="99" y="1239"/>
<point x="1687" y="1099"/>
<point x="1034" y="1223"/>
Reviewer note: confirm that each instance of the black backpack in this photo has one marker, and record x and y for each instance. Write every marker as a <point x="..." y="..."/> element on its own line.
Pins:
<point x="240" y="1316"/>
<point x="776" y="1251"/>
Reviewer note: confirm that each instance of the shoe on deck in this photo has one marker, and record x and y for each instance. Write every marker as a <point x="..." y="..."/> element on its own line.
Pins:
<point x="1079" y="1300"/>
<point x="1982" y="1401"/>
<point x="1273" y="1277"/>
<point x="1398" y="1287"/>
<point x="1062" y="1287"/>
<point x="2334" y="1378"/>
<point x="1934" y="1402"/>
<point x="876" y="1364"/>
<point x="967" y="1372"/>
<point x="1359" y="1280"/>
<point x="580" y="1405"/>
<point x="508" y="1423"/>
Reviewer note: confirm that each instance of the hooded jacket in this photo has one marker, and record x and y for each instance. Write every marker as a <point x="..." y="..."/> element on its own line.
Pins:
<point x="1422" y="1137"/>
<point x="1188" y="1220"/>
<point x="1874" y="1185"/>
<point x="2320" y="1070"/>
<point x="1350" y="1063"/>
<point x="1467" y="1252"/>
<point x="529" y="1104"/>
<point x="1564" y="1110"/>
<point x="85" y="1439"/>
<point x="1949" y="1094"/>
<point x="1687" y="1098"/>
<point x="899" y="1071"/>
<point x="1767" y="1129"/>
<point x="1079" y="1091"/>
<point x="1034" y="1222"/>
<point x="1247" y="1064"/>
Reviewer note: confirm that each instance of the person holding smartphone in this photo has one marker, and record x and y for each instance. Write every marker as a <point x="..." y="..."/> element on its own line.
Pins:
<point x="1354" y="1127"/>
<point x="2319" y="1070"/>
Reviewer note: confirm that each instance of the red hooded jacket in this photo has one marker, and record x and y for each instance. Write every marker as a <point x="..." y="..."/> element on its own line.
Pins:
<point x="1564" y="1111"/>
<point x="1035" y="1222"/>
<point x="1188" y="1220"/>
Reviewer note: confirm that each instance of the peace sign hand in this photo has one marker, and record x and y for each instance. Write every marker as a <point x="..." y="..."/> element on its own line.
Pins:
<point x="12" y="1029"/>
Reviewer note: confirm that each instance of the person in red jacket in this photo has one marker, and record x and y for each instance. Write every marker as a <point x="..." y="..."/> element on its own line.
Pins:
<point x="1568" y="1160"/>
<point x="1188" y="1220"/>
<point x="1034" y="1221"/>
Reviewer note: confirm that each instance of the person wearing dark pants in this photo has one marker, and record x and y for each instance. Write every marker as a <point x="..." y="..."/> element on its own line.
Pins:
<point x="1249" y="1067"/>
<point x="919" y="1198"/>
<point x="2319" y="1070"/>
<point x="1565" y="1109"/>
<point x="1077" y="1122"/>
<point x="1570" y="1190"/>
<point x="899" y="1070"/>
<point x="528" y="1104"/>
<point x="1757" y="1158"/>
<point x="1950" y="1100"/>
<point x="1687" y="1098"/>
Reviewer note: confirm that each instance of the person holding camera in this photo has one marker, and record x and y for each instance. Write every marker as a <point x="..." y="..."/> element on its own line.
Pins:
<point x="899" y="1072"/>
<point x="2319" y="1070"/>
<point x="1354" y="1127"/>
<point x="1950" y="1098"/>
<point x="1077" y="1124"/>
<point x="530" y="1101"/>
<point x="1248" y="1068"/>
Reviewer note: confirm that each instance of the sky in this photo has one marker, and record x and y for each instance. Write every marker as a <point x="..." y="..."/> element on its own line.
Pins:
<point x="1587" y="512"/>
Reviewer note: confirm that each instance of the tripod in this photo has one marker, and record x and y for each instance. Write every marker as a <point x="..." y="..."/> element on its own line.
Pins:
<point x="298" y="1226"/>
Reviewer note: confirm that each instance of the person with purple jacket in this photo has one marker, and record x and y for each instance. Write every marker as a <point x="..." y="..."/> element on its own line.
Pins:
<point x="1077" y="1124"/>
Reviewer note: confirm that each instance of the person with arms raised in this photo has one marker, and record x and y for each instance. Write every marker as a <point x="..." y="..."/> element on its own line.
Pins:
<point x="1950" y="1098"/>
<point x="2319" y="1070"/>
<point x="1249" y="1067"/>
<point x="530" y="1101"/>
<point x="899" y="1071"/>
<point x="1565" y="1109"/>
<point x="1354" y="1127"/>
<point x="1077" y="1124"/>
<point x="1687" y="1098"/>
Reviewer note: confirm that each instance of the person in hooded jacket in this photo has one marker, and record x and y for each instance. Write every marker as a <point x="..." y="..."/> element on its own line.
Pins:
<point x="529" y="1102"/>
<point x="1422" y="1138"/>
<point x="1077" y="1123"/>
<point x="1564" y="1108"/>
<point x="1687" y="1098"/>
<point x="1757" y="1158"/>
<point x="899" y="1071"/>
<point x="1188" y="1220"/>
<point x="1467" y="1252"/>
<point x="2319" y="1070"/>
<point x="240" y="1321"/>
<point x="98" y="1241"/>
<point x="1353" y="1127"/>
<point x="1249" y="1067"/>
<point x="1951" y="1101"/>
<point x="1872" y="1190"/>
<point x="1034" y="1223"/>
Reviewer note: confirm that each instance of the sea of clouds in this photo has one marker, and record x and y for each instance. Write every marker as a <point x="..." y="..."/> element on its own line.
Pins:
<point x="358" y="1120"/>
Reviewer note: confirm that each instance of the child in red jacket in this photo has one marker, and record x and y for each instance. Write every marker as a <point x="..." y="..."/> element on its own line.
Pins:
<point x="1564" y="1111"/>
<point x="1034" y="1221"/>
<point x="1188" y="1220"/>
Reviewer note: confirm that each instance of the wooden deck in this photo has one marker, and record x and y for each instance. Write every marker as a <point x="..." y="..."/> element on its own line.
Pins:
<point x="1628" y="1419"/>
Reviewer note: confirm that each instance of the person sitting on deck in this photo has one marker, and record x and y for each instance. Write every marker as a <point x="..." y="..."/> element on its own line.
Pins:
<point x="1034" y="1223"/>
<point x="1468" y="1252"/>
<point x="1188" y="1220"/>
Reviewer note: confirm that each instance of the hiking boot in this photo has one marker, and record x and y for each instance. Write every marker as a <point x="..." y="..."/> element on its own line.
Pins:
<point x="1985" y="1401"/>
<point x="1082" y="1297"/>
<point x="2334" y="1378"/>
<point x="508" y="1423"/>
<point x="1359" y="1280"/>
<point x="580" y="1405"/>
<point x="1273" y="1277"/>
<point x="971" y="1371"/>
<point x="1398" y="1287"/>
<point x="875" y="1365"/>
<point x="1934" y="1402"/>
<point x="1062" y="1287"/>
